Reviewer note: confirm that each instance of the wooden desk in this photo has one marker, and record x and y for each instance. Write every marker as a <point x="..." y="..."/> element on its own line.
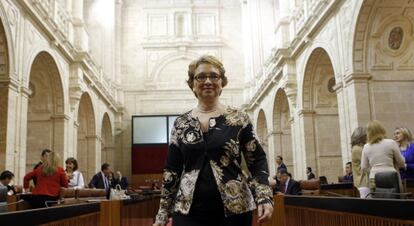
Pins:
<point x="129" y="212"/>
<point x="82" y="214"/>
<point x="138" y="212"/>
<point x="339" y="189"/>
<point x="330" y="211"/>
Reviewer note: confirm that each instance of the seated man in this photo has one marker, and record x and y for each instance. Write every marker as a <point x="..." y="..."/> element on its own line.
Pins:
<point x="121" y="180"/>
<point x="100" y="180"/>
<point x="348" y="177"/>
<point x="286" y="184"/>
<point x="5" y="179"/>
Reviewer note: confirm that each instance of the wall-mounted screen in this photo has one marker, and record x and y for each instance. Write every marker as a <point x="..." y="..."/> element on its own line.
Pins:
<point x="149" y="130"/>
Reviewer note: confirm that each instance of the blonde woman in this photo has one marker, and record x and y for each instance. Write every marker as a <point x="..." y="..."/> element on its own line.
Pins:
<point x="380" y="154"/>
<point x="358" y="140"/>
<point x="50" y="178"/>
<point x="404" y="138"/>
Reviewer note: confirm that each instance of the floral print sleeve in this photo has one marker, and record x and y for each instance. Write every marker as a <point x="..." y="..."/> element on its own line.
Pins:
<point x="171" y="179"/>
<point x="256" y="163"/>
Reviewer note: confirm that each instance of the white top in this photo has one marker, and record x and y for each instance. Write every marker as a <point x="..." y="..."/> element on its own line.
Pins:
<point x="381" y="157"/>
<point x="77" y="180"/>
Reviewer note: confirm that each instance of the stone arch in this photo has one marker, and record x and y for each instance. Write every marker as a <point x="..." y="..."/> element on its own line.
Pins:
<point x="4" y="94"/>
<point x="384" y="62"/>
<point x="262" y="131"/>
<point x="282" y="133"/>
<point x="320" y="116"/>
<point x="46" y="109"/>
<point x="86" y="138"/>
<point x="171" y="64"/>
<point x="107" y="141"/>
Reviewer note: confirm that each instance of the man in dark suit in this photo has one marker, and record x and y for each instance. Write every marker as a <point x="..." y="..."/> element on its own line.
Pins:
<point x="280" y="164"/>
<point x="309" y="173"/>
<point x="100" y="180"/>
<point x="122" y="181"/>
<point x="286" y="184"/>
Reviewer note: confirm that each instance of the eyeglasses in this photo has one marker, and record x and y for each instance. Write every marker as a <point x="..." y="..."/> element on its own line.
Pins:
<point x="203" y="77"/>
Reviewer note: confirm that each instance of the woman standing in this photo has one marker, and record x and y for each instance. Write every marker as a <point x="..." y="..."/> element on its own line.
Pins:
<point x="203" y="183"/>
<point x="380" y="154"/>
<point x="358" y="140"/>
<point x="75" y="176"/>
<point x="403" y="137"/>
<point x="50" y="178"/>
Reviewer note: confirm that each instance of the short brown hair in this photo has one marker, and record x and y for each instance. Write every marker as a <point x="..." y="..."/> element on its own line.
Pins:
<point x="359" y="136"/>
<point x="375" y="132"/>
<point x="73" y="161"/>
<point x="206" y="59"/>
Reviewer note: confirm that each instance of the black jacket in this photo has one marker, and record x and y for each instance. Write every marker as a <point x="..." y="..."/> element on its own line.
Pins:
<point x="97" y="181"/>
<point x="123" y="182"/>
<point x="230" y="136"/>
<point x="293" y="188"/>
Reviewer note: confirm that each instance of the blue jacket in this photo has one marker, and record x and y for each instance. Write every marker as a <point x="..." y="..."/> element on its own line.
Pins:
<point x="408" y="155"/>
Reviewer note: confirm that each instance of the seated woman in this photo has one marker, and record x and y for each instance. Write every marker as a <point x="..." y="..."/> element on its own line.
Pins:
<point x="50" y="178"/>
<point x="74" y="175"/>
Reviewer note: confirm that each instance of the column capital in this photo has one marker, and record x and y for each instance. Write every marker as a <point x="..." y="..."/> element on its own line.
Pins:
<point x="275" y="133"/>
<point x="305" y="112"/>
<point x="10" y="82"/>
<point x="94" y="137"/>
<point x="357" y="77"/>
<point x="60" y="116"/>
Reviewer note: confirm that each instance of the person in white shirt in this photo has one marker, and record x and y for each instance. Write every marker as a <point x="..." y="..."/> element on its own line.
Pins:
<point x="74" y="175"/>
<point x="380" y="154"/>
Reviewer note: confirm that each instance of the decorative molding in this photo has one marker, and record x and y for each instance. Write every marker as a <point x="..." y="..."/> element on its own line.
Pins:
<point x="357" y="77"/>
<point x="304" y="112"/>
<point x="60" y="117"/>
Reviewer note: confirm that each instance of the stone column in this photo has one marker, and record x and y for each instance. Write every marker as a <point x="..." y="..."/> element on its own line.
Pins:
<point x="307" y="136"/>
<point x="9" y="116"/>
<point x="357" y="92"/>
<point x="79" y="29"/>
<point x="299" y="155"/>
<point x="345" y="133"/>
<point x="60" y="128"/>
<point x="274" y="149"/>
<point x="18" y="101"/>
<point x="93" y="155"/>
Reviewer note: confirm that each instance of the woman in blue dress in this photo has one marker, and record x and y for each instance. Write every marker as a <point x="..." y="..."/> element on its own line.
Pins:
<point x="404" y="138"/>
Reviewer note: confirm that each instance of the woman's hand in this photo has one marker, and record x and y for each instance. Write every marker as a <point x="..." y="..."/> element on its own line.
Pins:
<point x="264" y="212"/>
<point x="157" y="224"/>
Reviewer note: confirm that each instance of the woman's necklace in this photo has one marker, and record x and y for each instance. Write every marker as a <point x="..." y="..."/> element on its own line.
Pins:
<point x="206" y="111"/>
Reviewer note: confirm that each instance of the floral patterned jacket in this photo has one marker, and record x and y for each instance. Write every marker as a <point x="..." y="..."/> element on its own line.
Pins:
<point x="230" y="136"/>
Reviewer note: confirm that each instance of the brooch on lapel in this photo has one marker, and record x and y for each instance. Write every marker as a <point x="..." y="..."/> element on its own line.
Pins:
<point x="191" y="137"/>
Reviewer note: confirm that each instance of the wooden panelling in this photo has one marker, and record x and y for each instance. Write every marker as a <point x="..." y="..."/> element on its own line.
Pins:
<point x="84" y="220"/>
<point x="139" y="214"/>
<point x="111" y="212"/>
<point x="301" y="216"/>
